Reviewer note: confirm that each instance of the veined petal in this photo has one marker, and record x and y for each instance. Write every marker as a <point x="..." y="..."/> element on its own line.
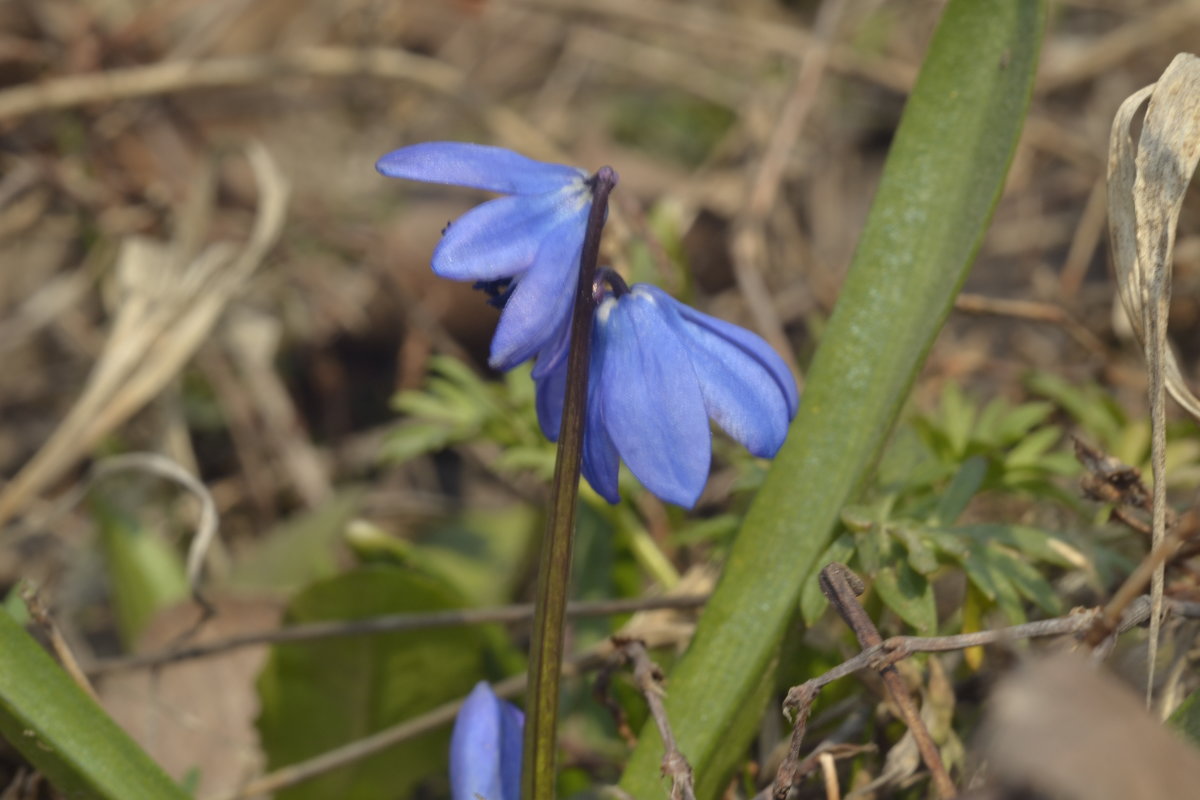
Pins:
<point x="753" y="345"/>
<point x="651" y="399"/>
<point x="485" y="748"/>
<point x="493" y="169"/>
<point x="501" y="238"/>
<point x="541" y="299"/>
<point x="554" y="352"/>
<point x="741" y="378"/>
<point x="551" y="387"/>
<point x="601" y="462"/>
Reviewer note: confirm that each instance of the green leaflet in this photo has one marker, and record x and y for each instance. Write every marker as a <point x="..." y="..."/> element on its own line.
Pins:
<point x="62" y="731"/>
<point x="942" y="179"/>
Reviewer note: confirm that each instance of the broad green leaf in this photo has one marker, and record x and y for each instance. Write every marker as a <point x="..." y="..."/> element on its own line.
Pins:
<point x="941" y="181"/>
<point x="62" y="732"/>
<point x="910" y="595"/>
<point x="322" y="694"/>
<point x="297" y="551"/>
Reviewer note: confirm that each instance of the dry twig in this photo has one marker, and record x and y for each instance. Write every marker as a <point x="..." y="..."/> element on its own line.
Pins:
<point x="390" y="623"/>
<point x="648" y="677"/>
<point x="843" y="587"/>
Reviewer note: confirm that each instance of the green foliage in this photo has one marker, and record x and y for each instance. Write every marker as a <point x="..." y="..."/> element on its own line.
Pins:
<point x="322" y="694"/>
<point x="482" y="554"/>
<point x="299" y="550"/>
<point x="942" y="178"/>
<point x="907" y="531"/>
<point x="145" y="571"/>
<point x="457" y="407"/>
<point x="1186" y="718"/>
<point x="61" y="731"/>
<point x="672" y="125"/>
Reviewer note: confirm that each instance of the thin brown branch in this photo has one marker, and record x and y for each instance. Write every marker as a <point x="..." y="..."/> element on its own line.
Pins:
<point x="386" y="624"/>
<point x="37" y="610"/>
<point x="649" y="678"/>
<point x="843" y="587"/>
<point x="1034" y="311"/>
<point x="800" y="699"/>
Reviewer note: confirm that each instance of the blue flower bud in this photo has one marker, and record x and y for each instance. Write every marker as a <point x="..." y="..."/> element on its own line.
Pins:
<point x="485" y="748"/>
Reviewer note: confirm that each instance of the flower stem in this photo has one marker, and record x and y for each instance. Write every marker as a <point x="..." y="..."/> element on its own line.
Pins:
<point x="538" y="772"/>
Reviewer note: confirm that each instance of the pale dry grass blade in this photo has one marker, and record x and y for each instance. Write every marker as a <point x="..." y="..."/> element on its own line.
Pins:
<point x="168" y="309"/>
<point x="163" y="467"/>
<point x="1146" y="191"/>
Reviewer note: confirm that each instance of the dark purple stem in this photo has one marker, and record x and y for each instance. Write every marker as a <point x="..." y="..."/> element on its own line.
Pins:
<point x="538" y="773"/>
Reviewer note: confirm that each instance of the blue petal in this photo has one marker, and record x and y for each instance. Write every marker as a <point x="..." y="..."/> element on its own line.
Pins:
<point x="554" y="352"/>
<point x="500" y="238"/>
<point x="750" y="343"/>
<point x="551" y="390"/>
<point x="748" y="390"/>
<point x="651" y="401"/>
<point x="493" y="169"/>
<point x="541" y="299"/>
<point x="601" y="462"/>
<point x="485" y="748"/>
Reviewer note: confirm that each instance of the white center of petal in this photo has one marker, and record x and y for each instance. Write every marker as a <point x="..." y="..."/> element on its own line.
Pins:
<point x="605" y="310"/>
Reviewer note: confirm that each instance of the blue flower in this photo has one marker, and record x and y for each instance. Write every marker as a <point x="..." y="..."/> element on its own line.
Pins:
<point x="485" y="748"/>
<point x="533" y="237"/>
<point x="659" y="371"/>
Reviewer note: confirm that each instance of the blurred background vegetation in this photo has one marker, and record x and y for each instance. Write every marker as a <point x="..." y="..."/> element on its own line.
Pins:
<point x="333" y="396"/>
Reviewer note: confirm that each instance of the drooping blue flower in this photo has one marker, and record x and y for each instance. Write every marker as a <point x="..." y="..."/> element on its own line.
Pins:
<point x="485" y="748"/>
<point x="659" y="372"/>
<point x="532" y="237"/>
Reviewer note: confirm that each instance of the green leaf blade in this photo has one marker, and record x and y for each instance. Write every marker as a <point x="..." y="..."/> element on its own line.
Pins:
<point x="941" y="182"/>
<point x="62" y="731"/>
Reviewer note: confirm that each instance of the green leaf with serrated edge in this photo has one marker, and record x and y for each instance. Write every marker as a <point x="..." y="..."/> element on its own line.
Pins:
<point x="1186" y="718"/>
<point x="1032" y="542"/>
<point x="64" y="734"/>
<point x="908" y="462"/>
<point x="982" y="570"/>
<point x="910" y="595"/>
<point x="962" y="488"/>
<point x="1093" y="408"/>
<point x="987" y="427"/>
<point x="322" y="694"/>
<point x="1021" y="420"/>
<point x="1025" y="579"/>
<point x="1032" y="449"/>
<point x="813" y="601"/>
<point x="919" y="547"/>
<point x="956" y="417"/>
<point x="945" y="171"/>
